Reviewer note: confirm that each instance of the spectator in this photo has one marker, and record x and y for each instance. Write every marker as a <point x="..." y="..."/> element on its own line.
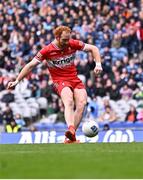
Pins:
<point x="7" y="115"/>
<point x="19" y="120"/>
<point x="46" y="90"/>
<point x="114" y="92"/>
<point x="126" y="92"/>
<point x="138" y="93"/>
<point x="26" y="27"/>
<point x="92" y="109"/>
<point x="8" y="97"/>
<point x="131" y="114"/>
<point x="140" y="115"/>
<point x="12" y="127"/>
<point x="1" y="82"/>
<point x="108" y="116"/>
<point x="91" y="88"/>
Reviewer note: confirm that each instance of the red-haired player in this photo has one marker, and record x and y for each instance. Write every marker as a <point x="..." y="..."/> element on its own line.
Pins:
<point x="60" y="55"/>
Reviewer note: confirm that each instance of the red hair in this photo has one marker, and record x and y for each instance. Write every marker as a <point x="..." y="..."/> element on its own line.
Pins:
<point x="58" y="31"/>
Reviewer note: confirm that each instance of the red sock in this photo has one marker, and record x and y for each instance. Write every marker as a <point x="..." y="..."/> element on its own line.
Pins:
<point x="71" y="127"/>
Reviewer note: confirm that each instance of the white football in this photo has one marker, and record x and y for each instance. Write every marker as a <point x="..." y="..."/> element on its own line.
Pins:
<point x="90" y="128"/>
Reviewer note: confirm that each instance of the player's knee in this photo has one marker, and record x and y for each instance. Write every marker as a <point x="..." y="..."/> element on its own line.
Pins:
<point x="69" y="103"/>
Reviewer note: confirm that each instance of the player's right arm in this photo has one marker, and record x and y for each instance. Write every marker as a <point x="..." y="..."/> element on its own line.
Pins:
<point x="40" y="56"/>
<point x="24" y="72"/>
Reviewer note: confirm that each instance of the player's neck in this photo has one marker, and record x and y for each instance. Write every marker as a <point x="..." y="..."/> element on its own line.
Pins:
<point x="55" y="42"/>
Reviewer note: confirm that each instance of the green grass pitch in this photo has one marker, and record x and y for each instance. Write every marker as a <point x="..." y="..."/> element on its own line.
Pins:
<point x="93" y="160"/>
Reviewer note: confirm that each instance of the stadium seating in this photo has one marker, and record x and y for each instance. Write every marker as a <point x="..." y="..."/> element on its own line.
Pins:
<point x="24" y="33"/>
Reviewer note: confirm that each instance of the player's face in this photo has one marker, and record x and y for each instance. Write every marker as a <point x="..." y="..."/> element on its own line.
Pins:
<point x="64" y="39"/>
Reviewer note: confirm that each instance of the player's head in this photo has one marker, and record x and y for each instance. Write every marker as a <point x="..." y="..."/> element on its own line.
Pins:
<point x="62" y="35"/>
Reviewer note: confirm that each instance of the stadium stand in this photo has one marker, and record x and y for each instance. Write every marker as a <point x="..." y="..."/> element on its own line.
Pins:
<point x="115" y="27"/>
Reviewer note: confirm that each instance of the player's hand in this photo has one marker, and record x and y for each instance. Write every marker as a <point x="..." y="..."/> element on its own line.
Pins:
<point x="12" y="84"/>
<point x="98" y="68"/>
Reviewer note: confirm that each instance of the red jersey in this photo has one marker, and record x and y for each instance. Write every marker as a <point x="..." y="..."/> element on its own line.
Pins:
<point x="61" y="61"/>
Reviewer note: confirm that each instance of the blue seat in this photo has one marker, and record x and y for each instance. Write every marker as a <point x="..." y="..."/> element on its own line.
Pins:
<point x="44" y="126"/>
<point x="59" y="125"/>
<point x="138" y="124"/>
<point x="127" y="124"/>
<point x="116" y="124"/>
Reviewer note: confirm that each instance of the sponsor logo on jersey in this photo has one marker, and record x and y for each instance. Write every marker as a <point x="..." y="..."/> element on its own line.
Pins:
<point x="62" y="62"/>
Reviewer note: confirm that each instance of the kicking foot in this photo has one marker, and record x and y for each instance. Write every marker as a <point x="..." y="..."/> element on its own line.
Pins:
<point x="70" y="133"/>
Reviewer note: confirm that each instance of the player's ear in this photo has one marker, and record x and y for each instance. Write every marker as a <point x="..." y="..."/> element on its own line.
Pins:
<point x="57" y="38"/>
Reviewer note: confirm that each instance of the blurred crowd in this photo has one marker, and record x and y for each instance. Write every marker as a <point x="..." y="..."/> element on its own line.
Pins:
<point x="114" y="26"/>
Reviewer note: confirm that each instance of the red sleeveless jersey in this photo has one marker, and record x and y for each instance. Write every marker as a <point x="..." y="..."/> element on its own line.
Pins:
<point x="61" y="61"/>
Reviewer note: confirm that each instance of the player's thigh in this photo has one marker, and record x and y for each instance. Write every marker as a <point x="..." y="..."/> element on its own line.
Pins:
<point x="67" y="96"/>
<point x="80" y="96"/>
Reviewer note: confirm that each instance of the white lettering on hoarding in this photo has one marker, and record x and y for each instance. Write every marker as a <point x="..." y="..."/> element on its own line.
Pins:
<point x="26" y="138"/>
<point x="45" y="136"/>
<point x="52" y="137"/>
<point x="119" y="136"/>
<point x="49" y="137"/>
<point x="38" y="137"/>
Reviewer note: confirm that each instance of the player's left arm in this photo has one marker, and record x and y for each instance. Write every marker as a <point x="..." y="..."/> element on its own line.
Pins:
<point x="96" y="55"/>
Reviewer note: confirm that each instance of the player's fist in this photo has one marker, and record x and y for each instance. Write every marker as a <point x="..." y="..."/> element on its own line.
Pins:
<point x="98" y="68"/>
<point x="12" y="84"/>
